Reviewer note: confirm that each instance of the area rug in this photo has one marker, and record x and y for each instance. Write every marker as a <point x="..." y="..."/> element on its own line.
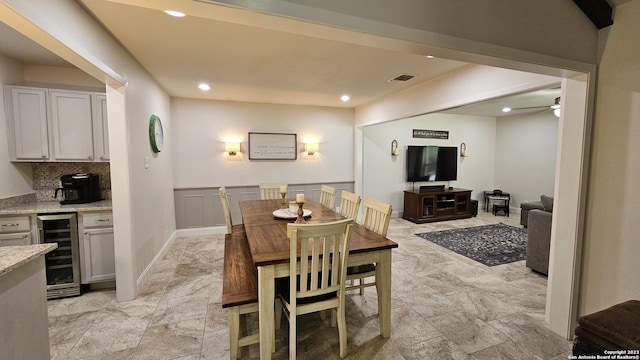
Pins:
<point x="490" y="244"/>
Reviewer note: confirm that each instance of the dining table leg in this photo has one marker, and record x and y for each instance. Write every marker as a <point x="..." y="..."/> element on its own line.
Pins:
<point x="266" y="296"/>
<point x="383" y="287"/>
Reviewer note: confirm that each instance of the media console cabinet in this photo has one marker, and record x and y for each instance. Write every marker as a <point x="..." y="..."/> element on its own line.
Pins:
<point x="422" y="206"/>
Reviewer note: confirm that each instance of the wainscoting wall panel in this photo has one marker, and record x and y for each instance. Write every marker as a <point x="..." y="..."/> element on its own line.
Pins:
<point x="201" y="207"/>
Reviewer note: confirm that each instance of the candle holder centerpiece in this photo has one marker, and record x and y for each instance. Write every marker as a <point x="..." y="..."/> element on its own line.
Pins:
<point x="283" y="193"/>
<point x="300" y="219"/>
<point x="300" y="202"/>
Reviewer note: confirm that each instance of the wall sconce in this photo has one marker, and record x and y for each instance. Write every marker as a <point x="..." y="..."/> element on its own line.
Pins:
<point x="463" y="150"/>
<point x="556" y="107"/>
<point x="394" y="148"/>
<point x="232" y="148"/>
<point x="311" y="148"/>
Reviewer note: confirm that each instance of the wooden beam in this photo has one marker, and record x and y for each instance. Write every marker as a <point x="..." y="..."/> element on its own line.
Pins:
<point x="598" y="11"/>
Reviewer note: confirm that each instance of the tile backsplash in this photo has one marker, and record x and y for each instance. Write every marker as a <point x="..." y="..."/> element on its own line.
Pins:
<point x="46" y="177"/>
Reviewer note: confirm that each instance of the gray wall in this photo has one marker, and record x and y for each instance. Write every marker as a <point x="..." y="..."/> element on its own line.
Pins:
<point x="201" y="207"/>
<point x="526" y="151"/>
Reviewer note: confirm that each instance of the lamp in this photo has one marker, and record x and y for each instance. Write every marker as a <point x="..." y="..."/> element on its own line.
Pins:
<point x="311" y="148"/>
<point x="463" y="150"/>
<point x="556" y="107"/>
<point x="232" y="148"/>
<point x="394" y="148"/>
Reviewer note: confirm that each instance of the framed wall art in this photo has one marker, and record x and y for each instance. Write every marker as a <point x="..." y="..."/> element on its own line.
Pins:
<point x="272" y="146"/>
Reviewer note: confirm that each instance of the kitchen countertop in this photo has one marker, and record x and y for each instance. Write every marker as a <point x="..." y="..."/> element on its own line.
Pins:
<point x="12" y="257"/>
<point x="42" y="207"/>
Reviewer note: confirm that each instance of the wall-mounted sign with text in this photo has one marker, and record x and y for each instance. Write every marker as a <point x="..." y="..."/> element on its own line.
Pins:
<point x="430" y="134"/>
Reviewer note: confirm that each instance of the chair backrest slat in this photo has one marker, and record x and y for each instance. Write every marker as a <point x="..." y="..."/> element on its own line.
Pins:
<point x="270" y="190"/>
<point x="225" y="208"/>
<point x="377" y="216"/>
<point x="349" y="205"/>
<point x="323" y="254"/>
<point x="327" y="196"/>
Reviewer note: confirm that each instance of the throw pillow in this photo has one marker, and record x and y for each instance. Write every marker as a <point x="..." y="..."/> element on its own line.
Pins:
<point x="547" y="202"/>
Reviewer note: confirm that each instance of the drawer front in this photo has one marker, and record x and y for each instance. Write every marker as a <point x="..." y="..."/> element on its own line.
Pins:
<point x="14" y="224"/>
<point x="15" y="239"/>
<point x="101" y="219"/>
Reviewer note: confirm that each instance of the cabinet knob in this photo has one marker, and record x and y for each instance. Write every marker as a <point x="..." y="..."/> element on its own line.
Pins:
<point x="44" y="156"/>
<point x="102" y="158"/>
<point x="90" y="157"/>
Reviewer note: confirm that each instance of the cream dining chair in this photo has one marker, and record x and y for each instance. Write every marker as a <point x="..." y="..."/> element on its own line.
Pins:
<point x="320" y="285"/>
<point x="376" y="218"/>
<point x="327" y="196"/>
<point x="349" y="205"/>
<point x="224" y="198"/>
<point x="270" y="191"/>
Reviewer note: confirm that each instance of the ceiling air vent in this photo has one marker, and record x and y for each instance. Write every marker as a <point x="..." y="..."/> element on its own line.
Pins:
<point x="402" y="77"/>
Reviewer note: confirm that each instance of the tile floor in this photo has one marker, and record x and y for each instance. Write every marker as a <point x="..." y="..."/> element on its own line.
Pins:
<point x="444" y="306"/>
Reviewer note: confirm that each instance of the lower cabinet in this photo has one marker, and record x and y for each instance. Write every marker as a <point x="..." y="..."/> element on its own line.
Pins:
<point x="97" y="257"/>
<point x="437" y="205"/>
<point x="15" y="230"/>
<point x="15" y="239"/>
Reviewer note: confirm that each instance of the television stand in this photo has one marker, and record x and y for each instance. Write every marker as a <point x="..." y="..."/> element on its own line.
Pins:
<point x="436" y="204"/>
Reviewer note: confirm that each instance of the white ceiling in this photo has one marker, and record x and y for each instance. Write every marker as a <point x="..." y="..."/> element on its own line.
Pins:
<point x="255" y="63"/>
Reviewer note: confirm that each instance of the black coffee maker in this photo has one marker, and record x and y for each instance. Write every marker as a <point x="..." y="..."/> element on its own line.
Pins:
<point x="79" y="188"/>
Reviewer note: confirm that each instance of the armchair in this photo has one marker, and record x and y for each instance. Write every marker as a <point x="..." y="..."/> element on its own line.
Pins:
<point x="539" y="237"/>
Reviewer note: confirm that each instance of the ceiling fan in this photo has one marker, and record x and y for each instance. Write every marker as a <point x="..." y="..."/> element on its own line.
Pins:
<point x="555" y="107"/>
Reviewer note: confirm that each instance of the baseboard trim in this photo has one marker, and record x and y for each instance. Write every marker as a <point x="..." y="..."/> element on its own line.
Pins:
<point x="211" y="230"/>
<point x="149" y="270"/>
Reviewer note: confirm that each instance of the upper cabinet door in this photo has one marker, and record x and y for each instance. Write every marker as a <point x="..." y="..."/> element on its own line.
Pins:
<point x="27" y="120"/>
<point x="72" y="125"/>
<point x="100" y="128"/>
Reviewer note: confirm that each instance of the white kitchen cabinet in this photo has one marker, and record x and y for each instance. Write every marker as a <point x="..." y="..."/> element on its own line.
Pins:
<point x="71" y="125"/>
<point x="97" y="257"/>
<point x="27" y="123"/>
<point x="56" y="125"/>
<point x="15" y="230"/>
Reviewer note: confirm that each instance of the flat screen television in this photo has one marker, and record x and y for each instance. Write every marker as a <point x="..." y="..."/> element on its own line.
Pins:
<point x="432" y="163"/>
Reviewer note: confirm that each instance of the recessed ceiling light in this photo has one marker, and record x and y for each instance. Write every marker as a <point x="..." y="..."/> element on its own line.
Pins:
<point x="345" y="98"/>
<point x="506" y="109"/>
<point x="204" y="87"/>
<point x="174" y="13"/>
<point x="429" y="56"/>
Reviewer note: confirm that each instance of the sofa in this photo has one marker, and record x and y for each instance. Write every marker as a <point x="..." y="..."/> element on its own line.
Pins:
<point x="539" y="236"/>
<point x="527" y="206"/>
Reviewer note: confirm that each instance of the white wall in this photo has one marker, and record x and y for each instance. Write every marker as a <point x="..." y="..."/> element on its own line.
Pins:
<point x="526" y="150"/>
<point x="201" y="128"/>
<point x="15" y="179"/>
<point x="69" y="76"/>
<point x="610" y="258"/>
<point x="385" y="176"/>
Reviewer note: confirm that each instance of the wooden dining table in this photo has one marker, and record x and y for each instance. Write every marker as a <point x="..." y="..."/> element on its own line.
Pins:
<point x="269" y="246"/>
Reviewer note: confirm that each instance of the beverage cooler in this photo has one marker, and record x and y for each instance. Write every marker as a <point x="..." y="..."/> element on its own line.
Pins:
<point x="62" y="264"/>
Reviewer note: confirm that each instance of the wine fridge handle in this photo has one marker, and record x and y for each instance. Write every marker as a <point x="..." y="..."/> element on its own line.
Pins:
<point x="40" y="235"/>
